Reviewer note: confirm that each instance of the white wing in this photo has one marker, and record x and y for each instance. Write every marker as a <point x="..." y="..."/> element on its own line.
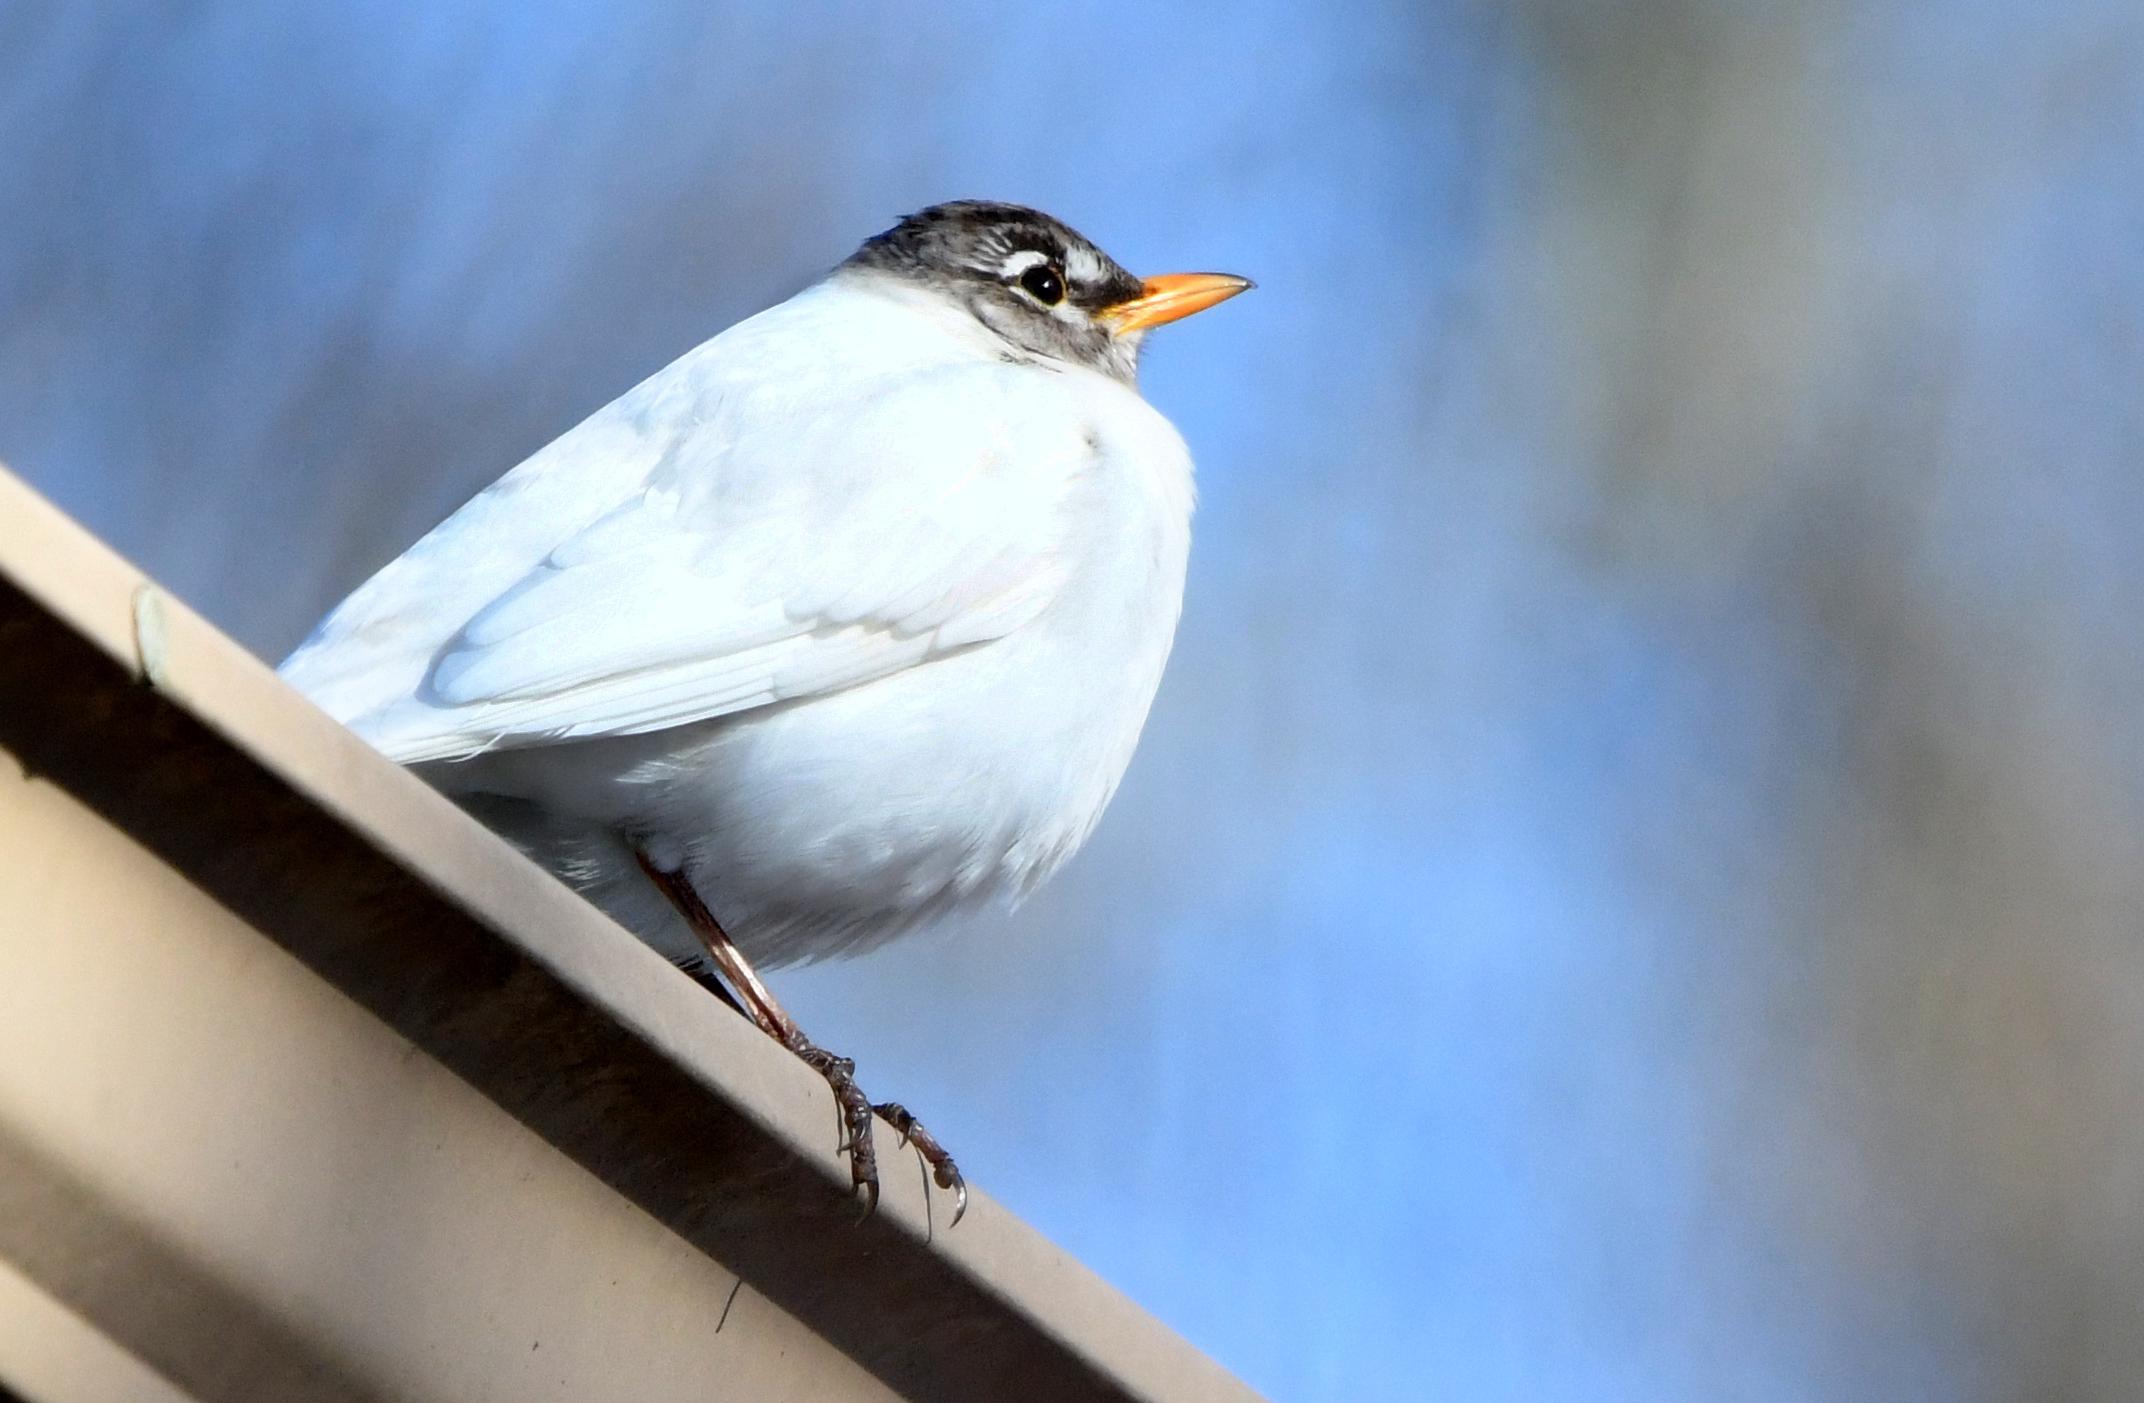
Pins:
<point x="747" y="541"/>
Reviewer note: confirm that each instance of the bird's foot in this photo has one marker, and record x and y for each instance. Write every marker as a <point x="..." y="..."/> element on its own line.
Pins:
<point x="944" y="1172"/>
<point x="751" y="998"/>
<point x="856" y="1141"/>
<point x="855" y="1111"/>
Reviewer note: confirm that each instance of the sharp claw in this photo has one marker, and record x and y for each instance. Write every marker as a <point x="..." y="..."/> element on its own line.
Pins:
<point x="938" y="1163"/>
<point x="855" y="1112"/>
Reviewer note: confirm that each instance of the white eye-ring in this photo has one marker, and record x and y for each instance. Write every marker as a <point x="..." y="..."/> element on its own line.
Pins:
<point x="1017" y="263"/>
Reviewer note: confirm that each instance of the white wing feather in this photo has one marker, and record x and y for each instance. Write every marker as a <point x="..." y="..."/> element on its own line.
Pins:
<point x="738" y="548"/>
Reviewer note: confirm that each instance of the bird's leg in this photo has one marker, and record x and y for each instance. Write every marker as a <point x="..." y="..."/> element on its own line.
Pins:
<point x="775" y="1022"/>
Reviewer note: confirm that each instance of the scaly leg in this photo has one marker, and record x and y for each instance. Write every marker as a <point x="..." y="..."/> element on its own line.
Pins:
<point x="762" y="1008"/>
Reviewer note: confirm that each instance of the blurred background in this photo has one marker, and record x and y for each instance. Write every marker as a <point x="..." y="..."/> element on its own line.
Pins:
<point x="1631" y="887"/>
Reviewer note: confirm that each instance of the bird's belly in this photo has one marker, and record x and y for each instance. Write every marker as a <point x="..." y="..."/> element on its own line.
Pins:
<point x="827" y="826"/>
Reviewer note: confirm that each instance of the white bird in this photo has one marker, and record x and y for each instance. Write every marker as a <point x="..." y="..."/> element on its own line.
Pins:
<point x="845" y="619"/>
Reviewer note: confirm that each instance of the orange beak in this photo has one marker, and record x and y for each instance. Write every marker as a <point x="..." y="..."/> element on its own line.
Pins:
<point x="1172" y="297"/>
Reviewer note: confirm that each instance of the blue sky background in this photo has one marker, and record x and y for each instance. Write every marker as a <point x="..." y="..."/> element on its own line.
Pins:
<point x="1630" y="888"/>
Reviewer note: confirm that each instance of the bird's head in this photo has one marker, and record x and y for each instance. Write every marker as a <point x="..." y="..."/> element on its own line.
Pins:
<point x="1038" y="284"/>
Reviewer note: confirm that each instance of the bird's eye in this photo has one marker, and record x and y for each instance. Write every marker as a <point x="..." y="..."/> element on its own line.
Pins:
<point x="1044" y="284"/>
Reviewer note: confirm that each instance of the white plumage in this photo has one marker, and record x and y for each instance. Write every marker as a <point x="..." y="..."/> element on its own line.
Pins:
<point x="852" y="614"/>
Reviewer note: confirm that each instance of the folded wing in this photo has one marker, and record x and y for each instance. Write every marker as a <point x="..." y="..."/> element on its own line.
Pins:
<point x="768" y="554"/>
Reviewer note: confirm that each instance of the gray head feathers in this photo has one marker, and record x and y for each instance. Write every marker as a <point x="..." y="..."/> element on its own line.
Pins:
<point x="1028" y="277"/>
